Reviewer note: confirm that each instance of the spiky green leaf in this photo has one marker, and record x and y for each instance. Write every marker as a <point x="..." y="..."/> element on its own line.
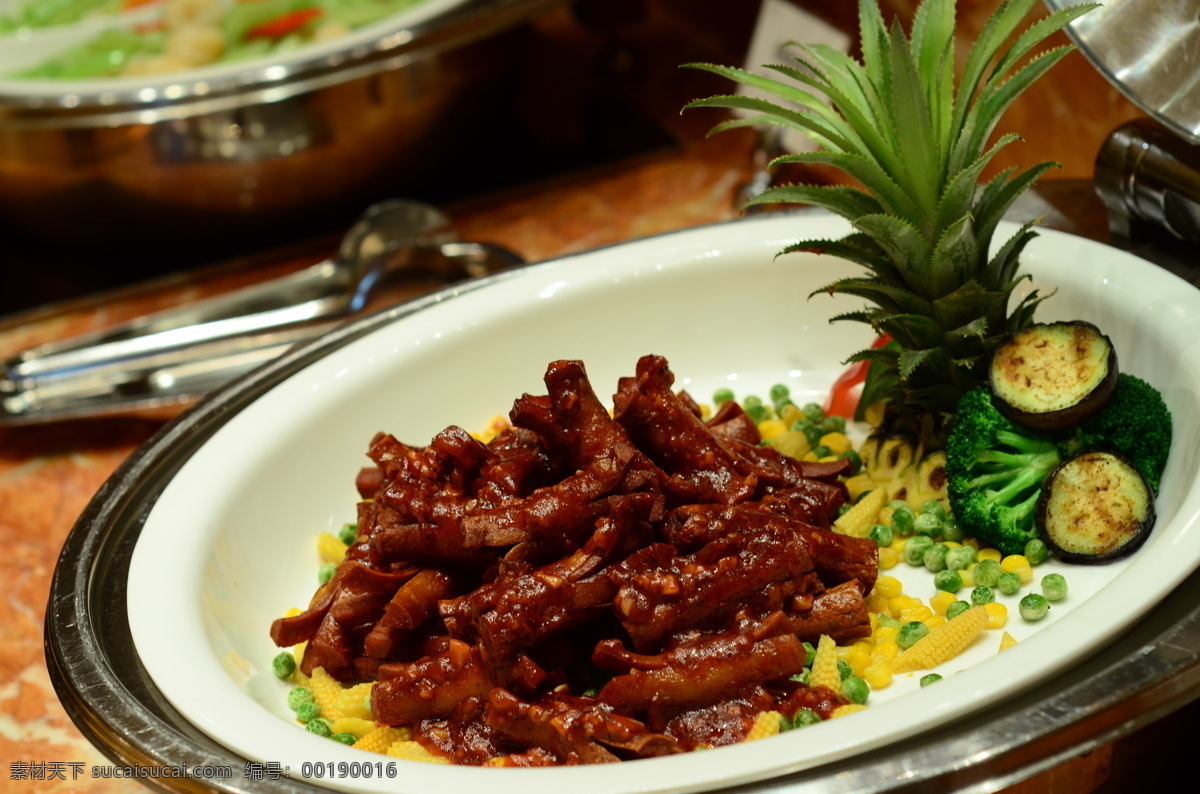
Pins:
<point x="857" y="248"/>
<point x="968" y="302"/>
<point x="905" y="246"/>
<point x="912" y="331"/>
<point x="887" y="297"/>
<point x="959" y="195"/>
<point x="911" y="359"/>
<point x="954" y="258"/>
<point x="877" y="182"/>
<point x="919" y="174"/>
<point x="994" y="204"/>
<point x="845" y="201"/>
<point x="1038" y="32"/>
<point x="1001" y="270"/>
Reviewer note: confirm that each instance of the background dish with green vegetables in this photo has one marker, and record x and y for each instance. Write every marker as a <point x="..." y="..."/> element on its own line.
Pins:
<point x="116" y="38"/>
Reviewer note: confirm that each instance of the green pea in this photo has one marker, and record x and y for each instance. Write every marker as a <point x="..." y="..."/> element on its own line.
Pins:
<point x="949" y="581"/>
<point x="982" y="595"/>
<point x="887" y="620"/>
<point x="843" y="509"/>
<point x="308" y="712"/>
<point x="344" y="738"/>
<point x="960" y="557"/>
<point x="284" y="664"/>
<point x="813" y="434"/>
<point x="1009" y="583"/>
<point x="752" y="401"/>
<point x="856" y="690"/>
<point x="722" y="396"/>
<point x="951" y="530"/>
<point x="910" y="633"/>
<point x="801" y="677"/>
<point x="298" y="697"/>
<point x="319" y="728"/>
<point x="956" y="609"/>
<point x="903" y="519"/>
<point x="822" y="451"/>
<point x="927" y="524"/>
<point x="813" y="412"/>
<point x="933" y="507"/>
<point x="325" y="572"/>
<point x="1036" y="551"/>
<point x="861" y="496"/>
<point x="810" y="651"/>
<point x="759" y="413"/>
<point x="833" y="424"/>
<point x="805" y="717"/>
<point x="932" y="678"/>
<point x="855" y="461"/>
<point x="348" y="533"/>
<point x="915" y="548"/>
<point x="780" y="392"/>
<point x="844" y="669"/>
<point x="987" y="573"/>
<point x="881" y="534"/>
<point x="934" y="559"/>
<point x="1034" y="607"/>
<point x="1054" y="586"/>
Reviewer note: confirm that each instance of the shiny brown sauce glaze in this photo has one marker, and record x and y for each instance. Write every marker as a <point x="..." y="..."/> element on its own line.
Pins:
<point x="587" y="587"/>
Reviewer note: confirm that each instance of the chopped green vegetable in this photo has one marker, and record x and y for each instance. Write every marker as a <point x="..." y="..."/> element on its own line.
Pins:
<point x="910" y="633"/>
<point x="932" y="678"/>
<point x="284" y="664"/>
<point x="1054" y="586"/>
<point x="982" y="594"/>
<point x="844" y="669"/>
<point x="948" y="581"/>
<point x="805" y="717"/>
<point x="1034" y="607"/>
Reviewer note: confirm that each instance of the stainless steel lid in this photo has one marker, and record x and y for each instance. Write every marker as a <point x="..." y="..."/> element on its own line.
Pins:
<point x="1148" y="49"/>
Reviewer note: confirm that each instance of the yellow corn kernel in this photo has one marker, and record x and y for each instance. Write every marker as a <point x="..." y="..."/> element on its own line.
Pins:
<point x="353" y="725"/>
<point x="770" y="429"/>
<point x="902" y="602"/>
<point x="326" y="693"/>
<point x="860" y="659"/>
<point x="705" y="411"/>
<point x="888" y="649"/>
<point x="888" y="587"/>
<point x="878" y="674"/>
<point x="933" y="621"/>
<point x="885" y="634"/>
<point x="330" y="548"/>
<point x="843" y="652"/>
<point x="842" y="711"/>
<point x="859" y="519"/>
<point x="383" y="737"/>
<point x="1007" y="641"/>
<point x="791" y="414"/>
<point x="918" y="612"/>
<point x="1016" y="563"/>
<point x="353" y="701"/>
<point x="829" y="459"/>
<point x="765" y="724"/>
<point x="858" y="485"/>
<point x="997" y="615"/>
<point x="414" y="751"/>
<point x="898" y="544"/>
<point x="968" y="577"/>
<point x="874" y="414"/>
<point x="876" y="603"/>
<point x="300" y="679"/>
<point x="792" y="443"/>
<point x="293" y="612"/>
<point x="493" y="428"/>
<point x="888" y="558"/>
<point x="973" y="543"/>
<point x="825" y="665"/>
<point x="838" y="443"/>
<point x="298" y="652"/>
<point x="873" y="619"/>
<point x="941" y="601"/>
<point x="943" y="643"/>
<point x="988" y="554"/>
<point x="951" y="544"/>
<point x="809" y="457"/>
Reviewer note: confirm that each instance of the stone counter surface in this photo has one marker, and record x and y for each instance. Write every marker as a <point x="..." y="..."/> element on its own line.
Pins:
<point x="48" y="474"/>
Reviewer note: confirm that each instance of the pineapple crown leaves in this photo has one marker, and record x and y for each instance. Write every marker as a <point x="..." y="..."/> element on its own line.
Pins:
<point x="912" y="133"/>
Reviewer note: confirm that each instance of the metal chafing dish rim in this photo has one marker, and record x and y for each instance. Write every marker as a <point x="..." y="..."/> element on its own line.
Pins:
<point x="76" y="104"/>
<point x="1145" y="674"/>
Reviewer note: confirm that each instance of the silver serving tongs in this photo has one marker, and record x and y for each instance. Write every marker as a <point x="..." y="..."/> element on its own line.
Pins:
<point x="176" y="356"/>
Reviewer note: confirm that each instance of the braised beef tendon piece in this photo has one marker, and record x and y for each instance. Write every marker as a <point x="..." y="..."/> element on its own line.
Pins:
<point x="577" y="730"/>
<point x="432" y="686"/>
<point x="661" y="425"/>
<point x="702" y="672"/>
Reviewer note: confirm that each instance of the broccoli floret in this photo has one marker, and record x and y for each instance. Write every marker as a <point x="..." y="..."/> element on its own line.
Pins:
<point x="1135" y="422"/>
<point x="994" y="473"/>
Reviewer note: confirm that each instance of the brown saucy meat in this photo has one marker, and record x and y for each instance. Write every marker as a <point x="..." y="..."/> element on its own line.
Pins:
<point x="587" y="587"/>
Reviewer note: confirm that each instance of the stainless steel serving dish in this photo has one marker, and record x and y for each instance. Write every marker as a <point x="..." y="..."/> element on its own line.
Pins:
<point x="217" y="150"/>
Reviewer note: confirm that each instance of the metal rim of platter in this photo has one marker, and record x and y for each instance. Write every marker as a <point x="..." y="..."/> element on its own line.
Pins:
<point x="1144" y="675"/>
<point x="1147" y="50"/>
